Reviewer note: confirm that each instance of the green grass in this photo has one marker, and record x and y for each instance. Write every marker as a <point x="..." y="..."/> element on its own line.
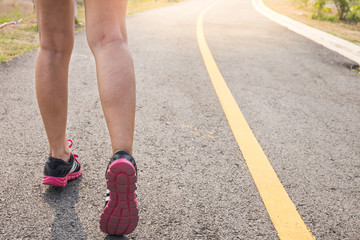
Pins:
<point x="323" y="16"/>
<point x="355" y="68"/>
<point x="12" y="13"/>
<point x="13" y="44"/>
<point x="17" y="39"/>
<point x="30" y="28"/>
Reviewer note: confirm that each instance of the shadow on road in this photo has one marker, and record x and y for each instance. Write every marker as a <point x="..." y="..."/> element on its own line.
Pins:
<point x="116" y="238"/>
<point x="66" y="223"/>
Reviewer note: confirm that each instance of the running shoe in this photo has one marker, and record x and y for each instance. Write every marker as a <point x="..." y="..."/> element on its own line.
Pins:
<point x="121" y="214"/>
<point x="58" y="172"/>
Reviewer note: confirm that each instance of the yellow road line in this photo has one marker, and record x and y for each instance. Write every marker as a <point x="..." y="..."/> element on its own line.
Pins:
<point x="282" y="211"/>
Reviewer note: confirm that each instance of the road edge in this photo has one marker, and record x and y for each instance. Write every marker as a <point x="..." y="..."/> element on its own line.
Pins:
<point x="336" y="44"/>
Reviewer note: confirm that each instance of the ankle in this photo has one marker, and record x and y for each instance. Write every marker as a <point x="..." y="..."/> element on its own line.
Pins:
<point x="129" y="151"/>
<point x="64" y="155"/>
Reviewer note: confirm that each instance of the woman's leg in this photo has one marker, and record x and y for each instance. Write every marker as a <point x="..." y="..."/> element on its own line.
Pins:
<point x="56" y="32"/>
<point x="106" y="34"/>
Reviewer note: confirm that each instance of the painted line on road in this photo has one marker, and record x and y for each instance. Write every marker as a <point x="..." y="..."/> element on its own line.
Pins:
<point x="282" y="211"/>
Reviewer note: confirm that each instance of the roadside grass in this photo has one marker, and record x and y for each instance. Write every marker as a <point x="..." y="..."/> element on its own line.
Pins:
<point x="14" y="42"/>
<point x="21" y="38"/>
<point x="16" y="39"/>
<point x="14" y="10"/>
<point x="325" y="22"/>
<point x="135" y="6"/>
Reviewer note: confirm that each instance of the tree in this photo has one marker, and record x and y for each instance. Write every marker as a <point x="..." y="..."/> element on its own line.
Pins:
<point x="342" y="8"/>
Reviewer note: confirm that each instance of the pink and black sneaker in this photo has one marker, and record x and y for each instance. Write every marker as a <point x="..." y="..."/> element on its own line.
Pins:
<point x="121" y="214"/>
<point x="58" y="172"/>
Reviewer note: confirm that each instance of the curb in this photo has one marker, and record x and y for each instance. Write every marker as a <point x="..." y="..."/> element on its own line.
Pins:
<point x="339" y="45"/>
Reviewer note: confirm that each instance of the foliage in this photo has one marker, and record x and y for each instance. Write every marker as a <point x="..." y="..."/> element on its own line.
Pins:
<point x="323" y="16"/>
<point x="319" y="5"/>
<point x="342" y="8"/>
<point x="347" y="10"/>
<point x="354" y="14"/>
<point x="322" y="12"/>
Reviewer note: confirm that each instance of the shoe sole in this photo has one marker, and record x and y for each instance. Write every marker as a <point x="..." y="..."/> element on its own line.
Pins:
<point x="121" y="214"/>
<point x="60" y="182"/>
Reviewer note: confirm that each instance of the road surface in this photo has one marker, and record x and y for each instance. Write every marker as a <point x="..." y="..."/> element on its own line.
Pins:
<point x="299" y="99"/>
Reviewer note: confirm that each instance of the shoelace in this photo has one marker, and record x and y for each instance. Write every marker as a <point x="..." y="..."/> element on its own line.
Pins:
<point x="71" y="143"/>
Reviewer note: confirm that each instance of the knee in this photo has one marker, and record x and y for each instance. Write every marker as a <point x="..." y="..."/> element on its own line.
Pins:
<point x="103" y="39"/>
<point x="59" y="44"/>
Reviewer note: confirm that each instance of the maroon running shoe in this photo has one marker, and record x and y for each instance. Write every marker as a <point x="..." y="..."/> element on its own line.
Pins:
<point x="121" y="214"/>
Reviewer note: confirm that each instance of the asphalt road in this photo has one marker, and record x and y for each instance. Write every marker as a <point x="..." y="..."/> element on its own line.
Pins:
<point x="301" y="102"/>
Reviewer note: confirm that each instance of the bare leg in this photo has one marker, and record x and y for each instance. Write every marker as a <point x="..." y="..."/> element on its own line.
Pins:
<point x="106" y="33"/>
<point x="56" y="31"/>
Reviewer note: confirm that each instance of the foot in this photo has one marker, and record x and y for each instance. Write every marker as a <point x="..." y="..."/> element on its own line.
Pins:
<point x="120" y="215"/>
<point x="58" y="172"/>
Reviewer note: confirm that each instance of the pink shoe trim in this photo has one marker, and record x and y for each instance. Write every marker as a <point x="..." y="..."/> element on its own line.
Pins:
<point x="121" y="214"/>
<point x="60" y="182"/>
